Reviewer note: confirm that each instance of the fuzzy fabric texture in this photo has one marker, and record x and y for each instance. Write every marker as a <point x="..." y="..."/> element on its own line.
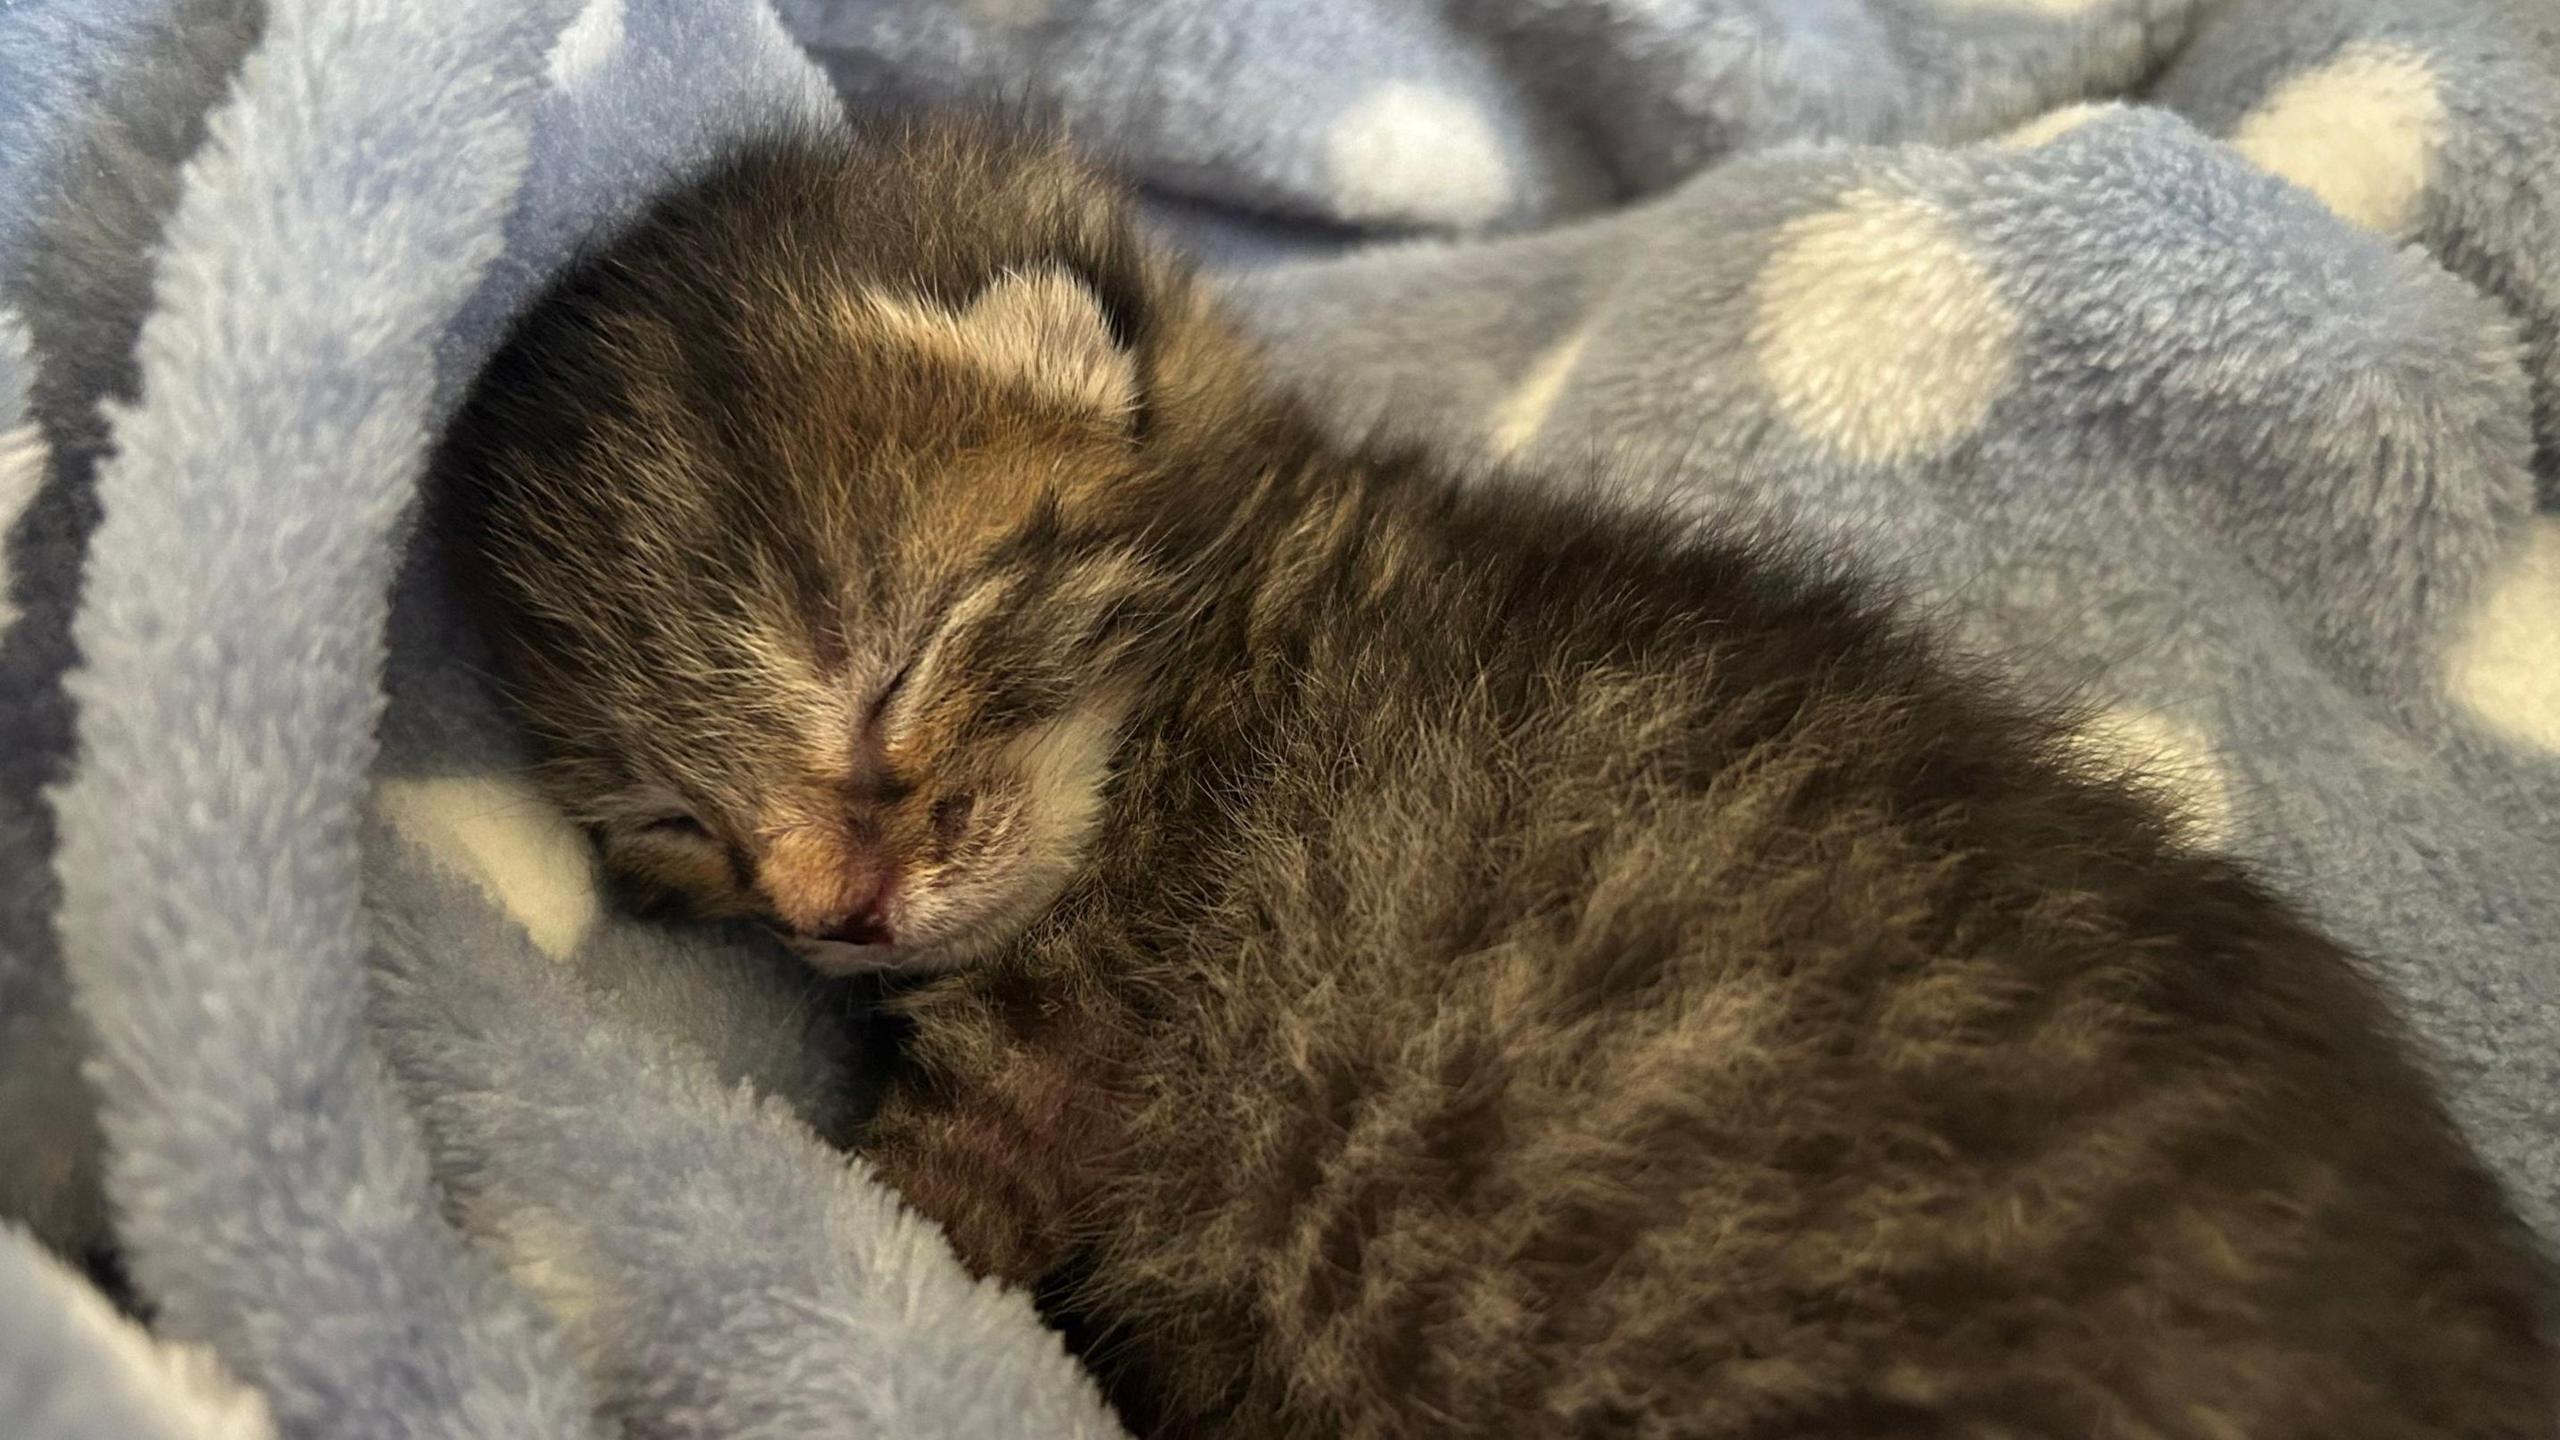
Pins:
<point x="2203" y="360"/>
<point x="488" y="1212"/>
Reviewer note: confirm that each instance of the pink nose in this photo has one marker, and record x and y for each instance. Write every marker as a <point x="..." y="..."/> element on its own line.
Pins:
<point x="866" y="920"/>
<point x="866" y="926"/>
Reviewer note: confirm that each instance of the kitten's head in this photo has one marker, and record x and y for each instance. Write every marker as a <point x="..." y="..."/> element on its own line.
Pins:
<point x="787" y="507"/>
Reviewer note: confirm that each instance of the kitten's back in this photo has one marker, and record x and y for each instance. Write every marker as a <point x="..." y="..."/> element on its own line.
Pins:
<point x="1650" y="990"/>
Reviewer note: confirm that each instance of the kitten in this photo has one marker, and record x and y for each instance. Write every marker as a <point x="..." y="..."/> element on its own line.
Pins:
<point x="1406" y="958"/>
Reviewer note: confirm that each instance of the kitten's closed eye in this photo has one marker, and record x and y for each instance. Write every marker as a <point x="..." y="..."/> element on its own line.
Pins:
<point x="667" y="862"/>
<point x="889" y="692"/>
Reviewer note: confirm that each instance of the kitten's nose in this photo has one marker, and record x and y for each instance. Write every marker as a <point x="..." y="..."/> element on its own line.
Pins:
<point x="820" y="886"/>
<point x="866" y="922"/>
<point x="866" y="926"/>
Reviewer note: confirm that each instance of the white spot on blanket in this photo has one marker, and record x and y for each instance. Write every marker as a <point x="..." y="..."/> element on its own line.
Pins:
<point x="512" y="843"/>
<point x="2171" y="755"/>
<point x="1878" y="333"/>
<point x="173" y="1380"/>
<point x="550" y="1258"/>
<point x="1523" y="412"/>
<point x="2506" y="667"/>
<point x="1408" y="153"/>
<point x="2052" y="125"/>
<point x="587" y="44"/>
<point x="2359" y="132"/>
<point x="22" y="458"/>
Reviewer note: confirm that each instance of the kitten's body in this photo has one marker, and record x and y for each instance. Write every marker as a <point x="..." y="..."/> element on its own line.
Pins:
<point x="1529" y="972"/>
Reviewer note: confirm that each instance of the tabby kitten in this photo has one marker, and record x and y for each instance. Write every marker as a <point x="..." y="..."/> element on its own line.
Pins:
<point x="1406" y="958"/>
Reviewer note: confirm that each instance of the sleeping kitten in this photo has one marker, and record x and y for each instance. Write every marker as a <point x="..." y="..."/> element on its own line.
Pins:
<point x="1419" y="959"/>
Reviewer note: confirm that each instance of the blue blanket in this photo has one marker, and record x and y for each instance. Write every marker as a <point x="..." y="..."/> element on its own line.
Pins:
<point x="2199" y="360"/>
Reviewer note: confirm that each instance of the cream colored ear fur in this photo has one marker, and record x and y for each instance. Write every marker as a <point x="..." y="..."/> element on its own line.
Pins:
<point x="1042" y="327"/>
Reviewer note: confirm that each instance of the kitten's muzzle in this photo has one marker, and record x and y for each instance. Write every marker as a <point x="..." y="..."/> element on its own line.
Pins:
<point x="867" y="926"/>
<point x="824" y="885"/>
<point x="866" y="915"/>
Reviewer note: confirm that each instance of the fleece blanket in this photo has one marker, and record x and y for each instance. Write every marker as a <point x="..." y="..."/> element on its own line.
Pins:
<point x="2203" y="361"/>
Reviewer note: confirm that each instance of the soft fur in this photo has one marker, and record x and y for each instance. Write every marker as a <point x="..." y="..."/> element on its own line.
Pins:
<point x="1524" y="970"/>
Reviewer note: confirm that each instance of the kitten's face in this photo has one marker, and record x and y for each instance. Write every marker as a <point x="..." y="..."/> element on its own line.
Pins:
<point x="799" y="604"/>
<point x="922" y="786"/>
<point x="914" y="797"/>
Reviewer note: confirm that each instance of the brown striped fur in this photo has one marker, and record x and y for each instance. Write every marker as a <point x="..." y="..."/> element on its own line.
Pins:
<point x="1439" y="960"/>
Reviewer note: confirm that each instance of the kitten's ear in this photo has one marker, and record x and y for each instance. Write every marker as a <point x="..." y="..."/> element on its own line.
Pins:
<point x="1046" y="327"/>
<point x="1042" y="327"/>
